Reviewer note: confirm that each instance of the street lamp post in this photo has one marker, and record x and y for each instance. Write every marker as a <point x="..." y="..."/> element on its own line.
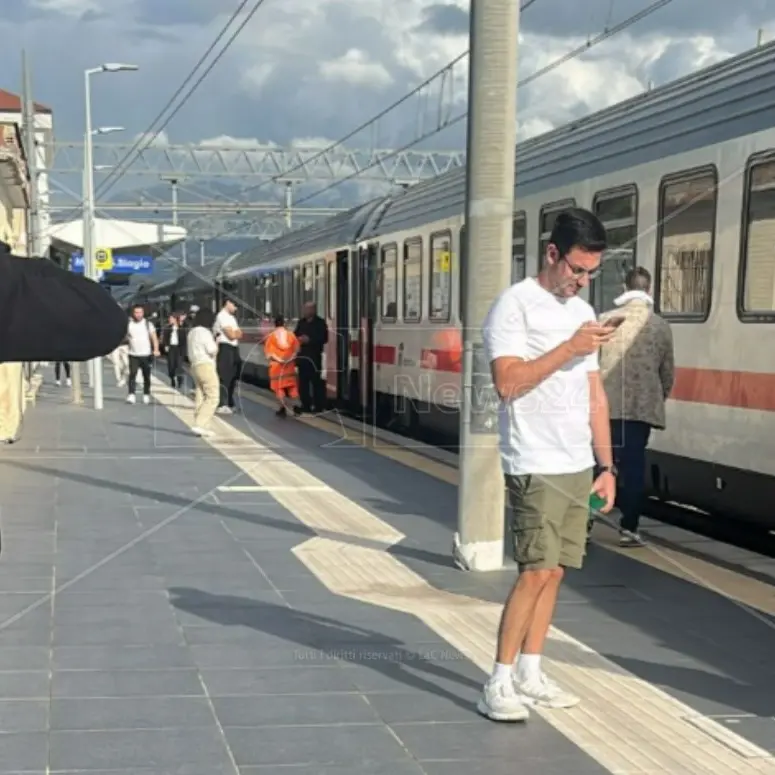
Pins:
<point x="90" y="268"/>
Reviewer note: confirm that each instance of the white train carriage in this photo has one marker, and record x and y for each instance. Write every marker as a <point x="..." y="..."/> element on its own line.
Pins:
<point x="683" y="178"/>
<point x="312" y="264"/>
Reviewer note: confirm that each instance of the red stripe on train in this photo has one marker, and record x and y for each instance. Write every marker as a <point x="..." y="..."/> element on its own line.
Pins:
<point x="441" y="360"/>
<point x="384" y="354"/>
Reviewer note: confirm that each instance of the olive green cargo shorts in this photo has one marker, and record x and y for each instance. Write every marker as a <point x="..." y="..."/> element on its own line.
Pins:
<point x="549" y="519"/>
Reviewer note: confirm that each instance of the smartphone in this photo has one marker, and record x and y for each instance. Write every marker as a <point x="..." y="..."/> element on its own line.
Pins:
<point x="613" y="322"/>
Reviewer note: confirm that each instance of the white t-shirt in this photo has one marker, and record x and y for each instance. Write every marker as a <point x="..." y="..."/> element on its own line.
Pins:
<point x="223" y="320"/>
<point x="201" y="346"/>
<point x="139" y="333"/>
<point x="547" y="430"/>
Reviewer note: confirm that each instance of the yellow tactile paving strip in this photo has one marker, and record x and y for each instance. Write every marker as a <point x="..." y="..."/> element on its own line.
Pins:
<point x="747" y="591"/>
<point x="627" y="725"/>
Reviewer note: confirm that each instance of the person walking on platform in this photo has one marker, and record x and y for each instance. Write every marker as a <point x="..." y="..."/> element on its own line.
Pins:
<point x="143" y="346"/>
<point x="281" y="348"/>
<point x="174" y="347"/>
<point x="202" y="350"/>
<point x="638" y="371"/>
<point x="120" y="360"/>
<point x="542" y="342"/>
<point x="58" y="373"/>
<point x="227" y="335"/>
<point x="312" y="333"/>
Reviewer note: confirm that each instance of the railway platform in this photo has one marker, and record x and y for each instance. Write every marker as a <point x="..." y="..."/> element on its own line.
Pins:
<point x="281" y="598"/>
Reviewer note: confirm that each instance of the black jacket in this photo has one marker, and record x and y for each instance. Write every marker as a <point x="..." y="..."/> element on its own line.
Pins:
<point x="317" y="331"/>
<point x="50" y="314"/>
<point x="166" y="335"/>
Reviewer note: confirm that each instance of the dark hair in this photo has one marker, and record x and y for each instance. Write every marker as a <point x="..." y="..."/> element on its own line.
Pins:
<point x="578" y="228"/>
<point x="638" y="279"/>
<point x="137" y="306"/>
<point x="279" y="321"/>
<point x="205" y="318"/>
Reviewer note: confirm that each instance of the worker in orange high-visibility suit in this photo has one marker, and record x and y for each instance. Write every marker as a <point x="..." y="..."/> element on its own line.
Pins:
<point x="280" y="348"/>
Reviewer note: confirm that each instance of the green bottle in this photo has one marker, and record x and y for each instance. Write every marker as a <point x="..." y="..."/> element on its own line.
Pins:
<point x="596" y="502"/>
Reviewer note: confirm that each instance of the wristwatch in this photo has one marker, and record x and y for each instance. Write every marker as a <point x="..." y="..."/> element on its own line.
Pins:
<point x="609" y="470"/>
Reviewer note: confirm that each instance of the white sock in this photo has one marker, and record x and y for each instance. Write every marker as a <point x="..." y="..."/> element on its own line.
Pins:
<point x="529" y="666"/>
<point x="502" y="672"/>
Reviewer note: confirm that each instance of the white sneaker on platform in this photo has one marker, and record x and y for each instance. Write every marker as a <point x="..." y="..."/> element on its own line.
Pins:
<point x="146" y="399"/>
<point x="542" y="691"/>
<point x="131" y="398"/>
<point x="500" y="702"/>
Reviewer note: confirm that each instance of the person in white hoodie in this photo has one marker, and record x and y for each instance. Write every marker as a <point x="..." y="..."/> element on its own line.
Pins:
<point x="637" y="366"/>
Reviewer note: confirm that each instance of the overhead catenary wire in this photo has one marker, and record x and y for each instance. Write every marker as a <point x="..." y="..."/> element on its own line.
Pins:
<point x="145" y="139"/>
<point x="578" y="51"/>
<point x="564" y="59"/>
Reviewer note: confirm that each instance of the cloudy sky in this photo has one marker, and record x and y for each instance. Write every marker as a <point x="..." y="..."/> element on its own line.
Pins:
<point x="306" y="70"/>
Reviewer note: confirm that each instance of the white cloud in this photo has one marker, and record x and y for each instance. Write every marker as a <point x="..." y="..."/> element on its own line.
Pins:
<point x="354" y="67"/>
<point x="152" y="139"/>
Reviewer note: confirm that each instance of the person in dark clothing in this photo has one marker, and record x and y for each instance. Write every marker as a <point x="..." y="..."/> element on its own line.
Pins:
<point x="312" y="333"/>
<point x="174" y="347"/>
<point x="58" y="372"/>
<point x="50" y="314"/>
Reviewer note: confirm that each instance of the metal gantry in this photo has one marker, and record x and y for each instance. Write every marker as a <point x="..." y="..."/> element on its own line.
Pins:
<point x="259" y="162"/>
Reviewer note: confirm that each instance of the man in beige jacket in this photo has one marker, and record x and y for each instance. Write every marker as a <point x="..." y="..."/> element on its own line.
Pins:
<point x="637" y="368"/>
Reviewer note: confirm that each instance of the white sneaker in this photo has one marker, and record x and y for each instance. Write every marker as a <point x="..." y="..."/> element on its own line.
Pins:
<point x="146" y="399"/>
<point x="224" y="410"/>
<point x="69" y="382"/>
<point x="202" y="432"/>
<point x="629" y="539"/>
<point x="500" y="702"/>
<point x="542" y="691"/>
<point x="57" y="381"/>
<point x="131" y="398"/>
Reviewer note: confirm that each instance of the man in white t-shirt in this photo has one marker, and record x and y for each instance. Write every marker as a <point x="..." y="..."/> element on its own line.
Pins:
<point x="227" y="335"/>
<point x="542" y="342"/>
<point x="143" y="345"/>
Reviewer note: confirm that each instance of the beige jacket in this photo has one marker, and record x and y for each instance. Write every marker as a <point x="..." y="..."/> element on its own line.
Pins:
<point x="637" y="365"/>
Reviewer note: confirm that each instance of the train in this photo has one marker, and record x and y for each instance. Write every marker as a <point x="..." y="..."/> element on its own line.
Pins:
<point x="683" y="178"/>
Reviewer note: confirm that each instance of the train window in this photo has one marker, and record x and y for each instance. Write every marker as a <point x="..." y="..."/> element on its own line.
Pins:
<point x="757" y="289"/>
<point x="308" y="284"/>
<point x="412" y="301"/>
<point x="687" y="217"/>
<point x="293" y="310"/>
<point x="331" y="307"/>
<point x="546" y="219"/>
<point x="618" y="212"/>
<point x="389" y="283"/>
<point x="519" y="247"/>
<point x="441" y="277"/>
<point x="320" y="286"/>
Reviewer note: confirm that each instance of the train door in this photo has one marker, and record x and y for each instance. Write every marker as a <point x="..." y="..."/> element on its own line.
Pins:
<point x="368" y="313"/>
<point x="342" y="326"/>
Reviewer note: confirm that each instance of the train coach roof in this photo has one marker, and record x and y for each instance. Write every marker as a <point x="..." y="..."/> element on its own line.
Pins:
<point x="343" y="229"/>
<point x="201" y="277"/>
<point x="719" y="103"/>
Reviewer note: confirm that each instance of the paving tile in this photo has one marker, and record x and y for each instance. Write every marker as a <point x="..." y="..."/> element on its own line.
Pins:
<point x="293" y="710"/>
<point x="126" y="683"/>
<point x="130" y="713"/>
<point x="24" y="657"/>
<point x="119" y="635"/>
<point x="20" y="684"/>
<point x="23" y="715"/>
<point x="124" y="750"/>
<point x="23" y="751"/>
<point x="298" y="745"/>
<point x="405" y="767"/>
<point x="302" y="680"/>
<point x="153" y="657"/>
